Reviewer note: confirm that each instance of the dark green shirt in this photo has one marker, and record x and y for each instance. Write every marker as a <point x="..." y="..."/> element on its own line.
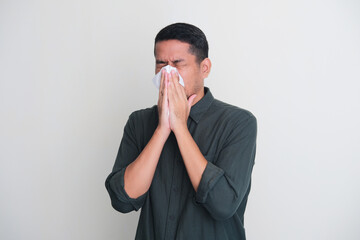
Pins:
<point x="171" y="209"/>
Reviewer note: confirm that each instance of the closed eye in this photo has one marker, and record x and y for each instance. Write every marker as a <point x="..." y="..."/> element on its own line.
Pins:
<point x="160" y="62"/>
<point x="178" y="61"/>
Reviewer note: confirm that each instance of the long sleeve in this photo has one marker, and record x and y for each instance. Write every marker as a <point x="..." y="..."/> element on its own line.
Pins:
<point x="172" y="209"/>
<point x="226" y="179"/>
<point x="129" y="150"/>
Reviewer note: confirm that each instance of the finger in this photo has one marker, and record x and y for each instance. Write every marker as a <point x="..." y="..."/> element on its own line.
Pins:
<point x="161" y="88"/>
<point x="172" y="93"/>
<point x="166" y="84"/>
<point x="164" y="94"/>
<point x="191" y="100"/>
<point x="179" y="88"/>
<point x="163" y="102"/>
<point x="170" y="85"/>
<point x="175" y="78"/>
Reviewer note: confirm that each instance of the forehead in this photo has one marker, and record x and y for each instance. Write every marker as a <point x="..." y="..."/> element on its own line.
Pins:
<point x="172" y="49"/>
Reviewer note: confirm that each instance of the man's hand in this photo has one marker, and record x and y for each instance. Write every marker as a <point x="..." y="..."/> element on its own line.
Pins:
<point x="140" y="173"/>
<point x="163" y="105"/>
<point x="179" y="105"/>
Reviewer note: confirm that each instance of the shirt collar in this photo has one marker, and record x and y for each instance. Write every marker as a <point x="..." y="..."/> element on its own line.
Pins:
<point x="201" y="106"/>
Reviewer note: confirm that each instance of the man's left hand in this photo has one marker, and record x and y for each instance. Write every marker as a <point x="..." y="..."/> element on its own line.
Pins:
<point x="179" y="105"/>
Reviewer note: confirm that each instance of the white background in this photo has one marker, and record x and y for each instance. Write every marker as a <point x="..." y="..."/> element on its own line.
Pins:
<point x="72" y="71"/>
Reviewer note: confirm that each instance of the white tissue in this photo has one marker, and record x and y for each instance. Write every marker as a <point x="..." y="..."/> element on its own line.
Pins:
<point x="168" y="68"/>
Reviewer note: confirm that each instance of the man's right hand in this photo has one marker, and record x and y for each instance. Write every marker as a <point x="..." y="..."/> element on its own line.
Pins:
<point x="163" y="105"/>
<point x="139" y="174"/>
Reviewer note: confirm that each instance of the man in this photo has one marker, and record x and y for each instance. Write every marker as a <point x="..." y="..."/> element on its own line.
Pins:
<point x="186" y="162"/>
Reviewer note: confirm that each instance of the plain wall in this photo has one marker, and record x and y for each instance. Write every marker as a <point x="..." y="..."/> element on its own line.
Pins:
<point x="71" y="72"/>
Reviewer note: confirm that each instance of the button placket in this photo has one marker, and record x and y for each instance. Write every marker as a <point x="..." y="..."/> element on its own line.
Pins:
<point x="171" y="224"/>
<point x="173" y="210"/>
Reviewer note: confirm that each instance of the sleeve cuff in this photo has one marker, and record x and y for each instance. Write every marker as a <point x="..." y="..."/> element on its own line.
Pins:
<point x="117" y="185"/>
<point x="210" y="177"/>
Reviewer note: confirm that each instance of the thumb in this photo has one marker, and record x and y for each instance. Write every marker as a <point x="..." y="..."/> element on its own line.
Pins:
<point x="191" y="99"/>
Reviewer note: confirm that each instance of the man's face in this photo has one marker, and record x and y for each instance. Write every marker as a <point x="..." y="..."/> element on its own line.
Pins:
<point x="176" y="54"/>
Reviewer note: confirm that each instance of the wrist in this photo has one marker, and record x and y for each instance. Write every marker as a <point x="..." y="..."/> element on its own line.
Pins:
<point x="180" y="128"/>
<point x="163" y="132"/>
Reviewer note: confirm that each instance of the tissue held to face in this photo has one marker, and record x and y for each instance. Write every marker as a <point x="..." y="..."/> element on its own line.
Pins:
<point x="167" y="68"/>
<point x="176" y="54"/>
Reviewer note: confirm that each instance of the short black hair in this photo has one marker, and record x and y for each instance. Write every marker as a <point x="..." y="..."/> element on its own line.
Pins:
<point x="187" y="33"/>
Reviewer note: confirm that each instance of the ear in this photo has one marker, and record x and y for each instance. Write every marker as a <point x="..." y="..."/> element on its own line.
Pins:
<point x="205" y="67"/>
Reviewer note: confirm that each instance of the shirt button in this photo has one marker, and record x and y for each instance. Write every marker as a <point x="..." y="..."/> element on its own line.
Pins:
<point x="171" y="217"/>
<point x="175" y="189"/>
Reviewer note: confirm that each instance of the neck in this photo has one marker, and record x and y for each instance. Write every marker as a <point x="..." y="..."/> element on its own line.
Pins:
<point x="199" y="95"/>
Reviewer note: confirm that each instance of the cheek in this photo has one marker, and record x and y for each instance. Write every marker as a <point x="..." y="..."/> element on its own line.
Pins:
<point x="190" y="76"/>
<point x="187" y="79"/>
<point x="186" y="74"/>
<point x="189" y="85"/>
